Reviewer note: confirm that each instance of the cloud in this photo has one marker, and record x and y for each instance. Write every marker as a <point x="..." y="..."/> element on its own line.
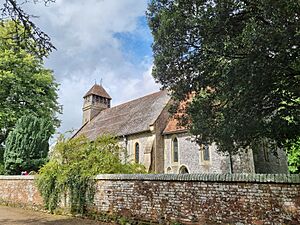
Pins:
<point x="121" y="89"/>
<point x="95" y="39"/>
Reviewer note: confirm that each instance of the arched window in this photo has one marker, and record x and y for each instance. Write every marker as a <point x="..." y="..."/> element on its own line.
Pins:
<point x="175" y="149"/>
<point x="183" y="170"/>
<point x="265" y="147"/>
<point x="137" y="152"/>
<point x="206" y="155"/>
<point x="169" y="170"/>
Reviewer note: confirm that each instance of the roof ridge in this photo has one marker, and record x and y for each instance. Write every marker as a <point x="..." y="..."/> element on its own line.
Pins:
<point x="133" y="116"/>
<point x="148" y="95"/>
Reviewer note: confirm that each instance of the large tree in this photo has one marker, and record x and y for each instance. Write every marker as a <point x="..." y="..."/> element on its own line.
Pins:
<point x="36" y="41"/>
<point x="241" y="61"/>
<point x="27" y="146"/>
<point x="26" y="86"/>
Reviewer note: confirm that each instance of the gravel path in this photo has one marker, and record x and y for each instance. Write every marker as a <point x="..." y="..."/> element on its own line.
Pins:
<point x="17" y="216"/>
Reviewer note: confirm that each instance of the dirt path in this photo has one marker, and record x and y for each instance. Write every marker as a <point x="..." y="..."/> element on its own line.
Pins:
<point x="16" y="216"/>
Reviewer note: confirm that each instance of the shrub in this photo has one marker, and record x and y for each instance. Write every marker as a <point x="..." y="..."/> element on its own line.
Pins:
<point x="293" y="151"/>
<point x="2" y="170"/>
<point x="72" y="166"/>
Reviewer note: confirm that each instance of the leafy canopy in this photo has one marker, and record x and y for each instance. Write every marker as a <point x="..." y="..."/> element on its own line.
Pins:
<point x="72" y="166"/>
<point x="26" y="86"/>
<point x="241" y="61"/>
<point x="26" y="147"/>
<point x="32" y="37"/>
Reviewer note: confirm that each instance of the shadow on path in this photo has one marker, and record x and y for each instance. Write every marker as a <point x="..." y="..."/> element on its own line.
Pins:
<point x="17" y="216"/>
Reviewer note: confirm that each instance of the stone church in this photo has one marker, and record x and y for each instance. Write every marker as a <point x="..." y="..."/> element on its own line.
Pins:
<point x="152" y="137"/>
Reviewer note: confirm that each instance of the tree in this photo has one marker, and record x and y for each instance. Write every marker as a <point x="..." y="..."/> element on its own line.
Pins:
<point x="293" y="150"/>
<point x="241" y="61"/>
<point x="26" y="86"/>
<point x="36" y="41"/>
<point x="72" y="165"/>
<point x="26" y="147"/>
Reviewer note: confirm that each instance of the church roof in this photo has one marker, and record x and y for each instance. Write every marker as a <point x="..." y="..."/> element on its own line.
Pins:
<point x="97" y="90"/>
<point x="173" y="127"/>
<point x="131" y="117"/>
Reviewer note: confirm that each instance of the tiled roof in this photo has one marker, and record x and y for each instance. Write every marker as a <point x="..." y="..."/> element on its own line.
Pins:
<point x="97" y="90"/>
<point x="173" y="125"/>
<point x="128" y="118"/>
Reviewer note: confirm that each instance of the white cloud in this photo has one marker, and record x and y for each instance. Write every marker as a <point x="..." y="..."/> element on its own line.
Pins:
<point x="84" y="33"/>
<point x="120" y="89"/>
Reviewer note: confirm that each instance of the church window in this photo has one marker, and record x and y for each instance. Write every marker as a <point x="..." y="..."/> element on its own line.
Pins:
<point x="183" y="170"/>
<point x="265" y="147"/>
<point x="137" y="152"/>
<point x="206" y="155"/>
<point x="175" y="149"/>
<point x="169" y="170"/>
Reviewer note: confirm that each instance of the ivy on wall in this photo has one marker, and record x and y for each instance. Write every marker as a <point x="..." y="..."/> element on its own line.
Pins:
<point x="72" y="166"/>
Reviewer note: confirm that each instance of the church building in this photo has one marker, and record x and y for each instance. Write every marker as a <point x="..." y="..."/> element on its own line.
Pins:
<point x="152" y="137"/>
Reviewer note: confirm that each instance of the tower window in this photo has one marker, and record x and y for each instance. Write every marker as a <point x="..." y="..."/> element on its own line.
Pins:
<point x="136" y="152"/>
<point x="87" y="99"/>
<point x="175" y="149"/>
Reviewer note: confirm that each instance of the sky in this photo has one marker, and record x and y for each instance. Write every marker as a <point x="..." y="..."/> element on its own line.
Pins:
<point x="97" y="39"/>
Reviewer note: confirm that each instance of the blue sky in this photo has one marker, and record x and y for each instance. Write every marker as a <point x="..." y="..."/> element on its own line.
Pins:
<point x="97" y="39"/>
<point x="137" y="45"/>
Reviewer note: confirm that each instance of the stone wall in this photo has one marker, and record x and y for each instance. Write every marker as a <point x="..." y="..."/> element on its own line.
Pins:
<point x="189" y="155"/>
<point x="185" y="198"/>
<point x="270" y="160"/>
<point x="159" y="127"/>
<point x="132" y="139"/>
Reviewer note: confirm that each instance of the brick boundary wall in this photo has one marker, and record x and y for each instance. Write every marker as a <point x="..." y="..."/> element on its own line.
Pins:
<point x="185" y="198"/>
<point x="20" y="191"/>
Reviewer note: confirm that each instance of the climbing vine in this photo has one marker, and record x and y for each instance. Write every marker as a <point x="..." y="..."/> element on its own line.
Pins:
<point x="68" y="176"/>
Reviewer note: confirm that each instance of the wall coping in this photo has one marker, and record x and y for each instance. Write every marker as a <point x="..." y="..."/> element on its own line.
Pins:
<point x="205" y="177"/>
<point x="16" y="177"/>
<point x="209" y="177"/>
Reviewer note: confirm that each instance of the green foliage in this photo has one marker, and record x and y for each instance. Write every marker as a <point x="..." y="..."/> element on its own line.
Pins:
<point x="27" y="88"/>
<point x="32" y="37"/>
<point x="72" y="166"/>
<point x="293" y="151"/>
<point x="1" y="153"/>
<point x="26" y="147"/>
<point x="241" y="60"/>
<point x="2" y="170"/>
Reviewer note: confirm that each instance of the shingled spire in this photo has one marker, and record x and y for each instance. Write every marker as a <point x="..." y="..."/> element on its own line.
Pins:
<point x="95" y="100"/>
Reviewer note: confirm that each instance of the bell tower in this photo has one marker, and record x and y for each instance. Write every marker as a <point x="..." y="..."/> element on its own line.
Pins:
<point x="95" y="100"/>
